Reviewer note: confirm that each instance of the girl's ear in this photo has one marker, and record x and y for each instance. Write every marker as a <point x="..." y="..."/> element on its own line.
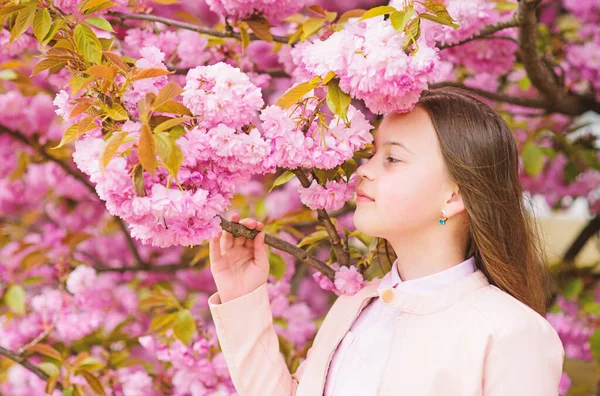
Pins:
<point x="454" y="205"/>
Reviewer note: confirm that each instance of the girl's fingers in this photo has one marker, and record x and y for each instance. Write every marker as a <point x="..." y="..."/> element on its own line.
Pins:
<point x="215" y="248"/>
<point x="243" y="241"/>
<point x="227" y="239"/>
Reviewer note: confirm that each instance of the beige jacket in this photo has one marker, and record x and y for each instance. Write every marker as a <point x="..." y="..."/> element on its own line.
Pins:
<point x="467" y="339"/>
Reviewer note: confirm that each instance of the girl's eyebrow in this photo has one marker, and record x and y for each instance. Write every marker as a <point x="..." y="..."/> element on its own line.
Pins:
<point x="394" y="143"/>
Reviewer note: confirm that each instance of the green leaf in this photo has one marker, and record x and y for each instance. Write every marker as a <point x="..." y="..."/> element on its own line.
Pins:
<point x="533" y="159"/>
<point x="55" y="27"/>
<point x="413" y="31"/>
<point x="377" y="11"/>
<point x="100" y="23"/>
<point x="41" y="24"/>
<point x="440" y="20"/>
<point x="313" y="238"/>
<point x="184" y="326"/>
<point x="311" y="26"/>
<point x="294" y="94"/>
<point x="595" y="346"/>
<point x="337" y="100"/>
<point x="573" y="288"/>
<point x="92" y="6"/>
<point x="50" y="368"/>
<point x="282" y="179"/>
<point x="15" y="299"/>
<point x="160" y="323"/>
<point x="88" y="44"/>
<point x="90" y="363"/>
<point x="169" y="152"/>
<point x="68" y="392"/>
<point x="276" y="265"/>
<point x="117" y="112"/>
<point x="244" y="36"/>
<point x="170" y="123"/>
<point x="23" y="22"/>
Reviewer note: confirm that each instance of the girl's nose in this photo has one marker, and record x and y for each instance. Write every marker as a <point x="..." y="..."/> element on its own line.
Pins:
<point x="364" y="171"/>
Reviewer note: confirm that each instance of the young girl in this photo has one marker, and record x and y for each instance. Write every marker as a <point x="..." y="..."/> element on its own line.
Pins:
<point x="461" y="311"/>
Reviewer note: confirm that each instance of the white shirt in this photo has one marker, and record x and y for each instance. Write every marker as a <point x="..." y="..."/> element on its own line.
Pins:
<point x="359" y="359"/>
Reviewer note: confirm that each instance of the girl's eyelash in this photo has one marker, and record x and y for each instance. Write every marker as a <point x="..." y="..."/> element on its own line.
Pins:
<point x="394" y="160"/>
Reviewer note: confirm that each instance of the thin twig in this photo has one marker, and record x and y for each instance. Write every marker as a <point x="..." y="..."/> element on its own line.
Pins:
<point x="189" y="26"/>
<point x="18" y="358"/>
<point x="485" y="32"/>
<point x="36" y="340"/>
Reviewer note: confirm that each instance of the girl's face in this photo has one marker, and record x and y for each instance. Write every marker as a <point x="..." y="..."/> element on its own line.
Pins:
<point x="406" y="179"/>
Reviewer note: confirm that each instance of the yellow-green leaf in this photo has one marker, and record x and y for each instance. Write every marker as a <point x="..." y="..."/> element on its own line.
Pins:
<point x="14" y="298"/>
<point x="282" y="179"/>
<point x="169" y="152"/>
<point x="313" y="238"/>
<point x="437" y="19"/>
<point x="533" y="159"/>
<point x="88" y="44"/>
<point x="41" y="24"/>
<point x="245" y="36"/>
<point x="276" y="265"/>
<point x="11" y="9"/>
<point x="337" y="100"/>
<point x="111" y="148"/>
<point x="162" y="322"/>
<point x="46" y="350"/>
<point x="184" y="326"/>
<point x="90" y="363"/>
<point x="163" y="126"/>
<point x="49" y="368"/>
<point x="23" y="22"/>
<point x="100" y="23"/>
<point x="96" y="5"/>
<point x="377" y="11"/>
<point x="311" y="26"/>
<point x="147" y="149"/>
<point x="293" y="94"/>
<point x="117" y="112"/>
<point x="55" y="27"/>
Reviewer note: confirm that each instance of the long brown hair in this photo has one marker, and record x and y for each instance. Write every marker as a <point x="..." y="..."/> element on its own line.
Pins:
<point x="482" y="158"/>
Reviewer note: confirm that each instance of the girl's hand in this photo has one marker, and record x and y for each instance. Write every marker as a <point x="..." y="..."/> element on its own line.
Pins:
<point x="239" y="265"/>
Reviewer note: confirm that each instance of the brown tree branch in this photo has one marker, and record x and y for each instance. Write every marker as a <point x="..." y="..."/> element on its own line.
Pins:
<point x="591" y="229"/>
<point x="238" y="230"/>
<point x="485" y="32"/>
<point x="189" y="26"/>
<point x="559" y="99"/>
<point x="325" y="221"/>
<point x="18" y="358"/>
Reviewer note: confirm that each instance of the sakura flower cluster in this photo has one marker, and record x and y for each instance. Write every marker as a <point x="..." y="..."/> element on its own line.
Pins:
<point x="369" y="59"/>
<point x="318" y="146"/>
<point x="331" y="197"/>
<point x="347" y="280"/>
<point x="273" y="11"/>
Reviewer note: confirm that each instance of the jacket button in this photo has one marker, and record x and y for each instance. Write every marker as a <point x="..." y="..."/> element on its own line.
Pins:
<point x="387" y="295"/>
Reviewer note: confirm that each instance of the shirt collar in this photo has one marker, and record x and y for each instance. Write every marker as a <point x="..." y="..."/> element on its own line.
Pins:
<point x="430" y="283"/>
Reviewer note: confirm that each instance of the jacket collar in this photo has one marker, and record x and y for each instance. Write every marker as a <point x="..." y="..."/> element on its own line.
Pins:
<point x="426" y="304"/>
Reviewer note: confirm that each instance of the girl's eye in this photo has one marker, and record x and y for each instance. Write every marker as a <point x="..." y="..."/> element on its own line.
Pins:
<point x="393" y="160"/>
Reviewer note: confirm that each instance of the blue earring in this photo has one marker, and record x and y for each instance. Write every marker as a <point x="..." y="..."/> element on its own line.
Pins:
<point x="444" y="218"/>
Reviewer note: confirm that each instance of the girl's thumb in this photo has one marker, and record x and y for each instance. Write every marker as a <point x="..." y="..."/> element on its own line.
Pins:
<point x="260" y="250"/>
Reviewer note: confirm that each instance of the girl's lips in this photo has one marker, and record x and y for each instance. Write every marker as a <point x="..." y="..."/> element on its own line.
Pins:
<point x="362" y="198"/>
